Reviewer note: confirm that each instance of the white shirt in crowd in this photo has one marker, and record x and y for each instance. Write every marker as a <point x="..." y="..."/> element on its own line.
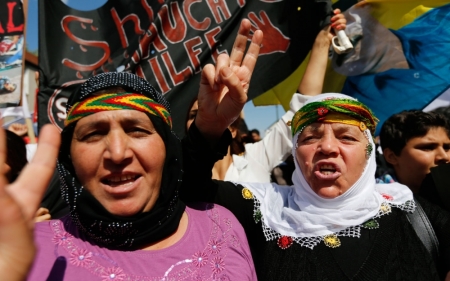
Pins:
<point x="256" y="164"/>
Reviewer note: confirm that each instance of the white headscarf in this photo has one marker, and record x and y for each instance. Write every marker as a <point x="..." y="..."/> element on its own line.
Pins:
<point x="297" y="211"/>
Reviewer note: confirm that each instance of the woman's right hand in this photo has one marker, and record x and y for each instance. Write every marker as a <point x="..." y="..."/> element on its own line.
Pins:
<point x="20" y="200"/>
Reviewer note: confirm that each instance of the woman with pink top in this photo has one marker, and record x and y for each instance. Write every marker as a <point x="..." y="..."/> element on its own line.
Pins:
<point x="120" y="166"/>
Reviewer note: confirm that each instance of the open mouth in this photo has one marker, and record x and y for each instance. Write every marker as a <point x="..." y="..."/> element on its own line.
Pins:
<point x="327" y="169"/>
<point x="120" y="180"/>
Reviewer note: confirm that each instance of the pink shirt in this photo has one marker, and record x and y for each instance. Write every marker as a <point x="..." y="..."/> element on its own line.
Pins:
<point x="214" y="247"/>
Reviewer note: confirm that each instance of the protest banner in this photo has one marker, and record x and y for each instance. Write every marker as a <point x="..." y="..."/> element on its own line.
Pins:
<point x="167" y="43"/>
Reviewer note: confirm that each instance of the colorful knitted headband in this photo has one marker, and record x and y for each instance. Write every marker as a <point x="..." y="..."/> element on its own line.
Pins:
<point x="117" y="101"/>
<point x="345" y="111"/>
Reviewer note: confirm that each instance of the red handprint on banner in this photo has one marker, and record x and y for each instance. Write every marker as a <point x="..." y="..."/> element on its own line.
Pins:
<point x="274" y="40"/>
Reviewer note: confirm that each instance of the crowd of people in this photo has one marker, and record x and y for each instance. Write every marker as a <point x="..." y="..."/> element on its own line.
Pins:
<point x="138" y="203"/>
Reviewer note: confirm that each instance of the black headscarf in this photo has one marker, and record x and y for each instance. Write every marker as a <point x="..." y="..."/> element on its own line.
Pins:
<point x="106" y="229"/>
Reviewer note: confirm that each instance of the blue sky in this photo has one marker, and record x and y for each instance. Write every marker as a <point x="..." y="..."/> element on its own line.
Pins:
<point x="260" y="117"/>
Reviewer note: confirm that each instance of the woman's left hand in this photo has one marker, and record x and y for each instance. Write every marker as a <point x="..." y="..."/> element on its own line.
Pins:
<point x="224" y="87"/>
<point x="338" y="22"/>
<point x="314" y="76"/>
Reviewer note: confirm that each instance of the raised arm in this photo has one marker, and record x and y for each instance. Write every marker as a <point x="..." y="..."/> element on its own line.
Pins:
<point x="19" y="202"/>
<point x="222" y="95"/>
<point x="223" y="87"/>
<point x="313" y="78"/>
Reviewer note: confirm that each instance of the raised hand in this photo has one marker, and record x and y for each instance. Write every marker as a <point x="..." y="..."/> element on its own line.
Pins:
<point x="313" y="78"/>
<point x="223" y="88"/>
<point x="20" y="200"/>
<point x="338" y="22"/>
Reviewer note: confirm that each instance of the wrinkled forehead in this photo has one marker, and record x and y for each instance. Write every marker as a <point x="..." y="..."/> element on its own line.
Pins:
<point x="320" y="127"/>
<point x="337" y="133"/>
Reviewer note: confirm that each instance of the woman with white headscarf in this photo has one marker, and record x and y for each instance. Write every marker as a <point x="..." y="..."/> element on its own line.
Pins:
<point x="335" y="222"/>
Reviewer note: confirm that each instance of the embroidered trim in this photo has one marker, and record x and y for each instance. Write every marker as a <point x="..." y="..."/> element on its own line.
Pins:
<point x="331" y="240"/>
<point x="246" y="193"/>
<point x="285" y="242"/>
<point x="385" y="208"/>
<point x="257" y="215"/>
<point x="369" y="149"/>
<point x="371" y="224"/>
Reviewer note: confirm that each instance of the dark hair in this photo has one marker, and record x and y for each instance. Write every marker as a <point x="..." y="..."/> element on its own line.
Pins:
<point x="255" y="131"/>
<point x="237" y="145"/>
<point x="243" y="129"/>
<point x="16" y="154"/>
<point x="443" y="110"/>
<point x="401" y="127"/>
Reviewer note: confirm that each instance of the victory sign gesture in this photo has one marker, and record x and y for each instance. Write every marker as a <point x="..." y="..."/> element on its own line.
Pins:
<point x="223" y="87"/>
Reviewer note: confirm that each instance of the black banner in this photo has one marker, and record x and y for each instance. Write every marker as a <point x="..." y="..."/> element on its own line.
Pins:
<point x="11" y="17"/>
<point x="167" y="43"/>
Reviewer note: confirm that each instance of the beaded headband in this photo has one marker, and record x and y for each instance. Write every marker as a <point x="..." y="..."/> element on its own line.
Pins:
<point x="346" y="111"/>
<point x="117" y="101"/>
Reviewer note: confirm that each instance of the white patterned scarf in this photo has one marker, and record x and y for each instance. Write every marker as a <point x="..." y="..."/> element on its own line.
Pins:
<point x="297" y="211"/>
